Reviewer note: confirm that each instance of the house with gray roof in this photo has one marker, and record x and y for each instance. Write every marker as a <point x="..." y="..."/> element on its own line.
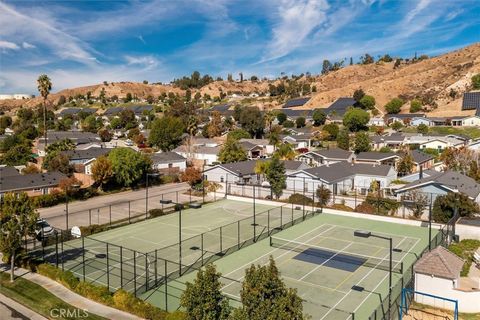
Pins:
<point x="343" y="177"/>
<point x="297" y="102"/>
<point x="83" y="160"/>
<point x="168" y="162"/>
<point x="77" y="137"/>
<point x="393" y="141"/>
<point x="422" y="160"/>
<point x="373" y="157"/>
<point x="75" y="111"/>
<point x="35" y="184"/>
<point x="443" y="183"/>
<point x="338" y="108"/>
<point x="244" y="171"/>
<point x="404" y="118"/>
<point x="317" y="158"/>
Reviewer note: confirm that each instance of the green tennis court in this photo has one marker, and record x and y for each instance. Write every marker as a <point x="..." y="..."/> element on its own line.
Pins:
<point x="338" y="275"/>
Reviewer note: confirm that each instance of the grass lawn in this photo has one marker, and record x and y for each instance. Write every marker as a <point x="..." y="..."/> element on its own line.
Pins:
<point x="38" y="299"/>
<point x="472" y="132"/>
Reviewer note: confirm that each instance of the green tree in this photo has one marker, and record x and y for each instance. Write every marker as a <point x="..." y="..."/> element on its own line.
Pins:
<point x="128" y="97"/>
<point x="265" y="296"/>
<point x="476" y="81"/>
<point x="129" y="166"/>
<point x="203" y="298"/>
<point x="356" y="119"/>
<point x="56" y="161"/>
<point x="18" y="220"/>
<point x="419" y="203"/>
<point x="17" y="155"/>
<point x="397" y="125"/>
<point x="166" y="133"/>
<point x="343" y="140"/>
<point x="232" y="151"/>
<point x="444" y="207"/>
<point x="90" y="124"/>
<point x="323" y="195"/>
<point x="285" y="151"/>
<point x="367" y="102"/>
<point x="238" y="134"/>
<point x="422" y="128"/>
<point x="5" y="122"/>
<point x="405" y="165"/>
<point x="275" y="175"/>
<point x="281" y="117"/>
<point x="415" y="105"/>
<point x="362" y="142"/>
<point x="394" y="105"/>
<point x="319" y="117"/>
<point x="332" y="130"/>
<point x="288" y="124"/>
<point x="251" y="119"/>
<point x="358" y="95"/>
<point x="105" y="135"/>
<point x="44" y="85"/>
<point x="300" y="122"/>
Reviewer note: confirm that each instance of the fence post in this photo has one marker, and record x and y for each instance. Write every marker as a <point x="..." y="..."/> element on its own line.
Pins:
<point x="121" y="267"/>
<point x="56" y="249"/>
<point x="166" y="286"/>
<point x="135" y="272"/>
<point x="89" y="217"/>
<point x="61" y="248"/>
<point x="281" y="217"/>
<point x="108" y="267"/>
<point x="292" y="214"/>
<point x="176" y="196"/>
<point x="156" y="264"/>
<point x="268" y="222"/>
<point x="221" y="244"/>
<point x="110" y="213"/>
<point x="129" y="212"/>
<point x="146" y="271"/>
<point x="238" y="234"/>
<point x="83" y="257"/>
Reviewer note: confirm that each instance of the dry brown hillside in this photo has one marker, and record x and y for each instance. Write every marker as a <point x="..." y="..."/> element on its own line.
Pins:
<point x="432" y="79"/>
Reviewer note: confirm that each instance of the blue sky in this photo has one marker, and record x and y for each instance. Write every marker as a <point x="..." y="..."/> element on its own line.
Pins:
<point x="87" y="42"/>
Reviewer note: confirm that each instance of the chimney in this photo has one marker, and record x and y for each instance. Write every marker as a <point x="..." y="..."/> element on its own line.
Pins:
<point x="420" y="174"/>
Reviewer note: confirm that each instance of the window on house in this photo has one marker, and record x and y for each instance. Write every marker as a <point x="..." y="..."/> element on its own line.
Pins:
<point x="222" y="179"/>
<point x="170" y="165"/>
<point x="37" y="189"/>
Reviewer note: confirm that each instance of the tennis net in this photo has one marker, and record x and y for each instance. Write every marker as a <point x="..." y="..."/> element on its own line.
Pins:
<point x="327" y="256"/>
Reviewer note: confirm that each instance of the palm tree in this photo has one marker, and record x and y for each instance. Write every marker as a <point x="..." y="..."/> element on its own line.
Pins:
<point x="269" y="117"/>
<point x="44" y="86"/>
<point x="261" y="168"/>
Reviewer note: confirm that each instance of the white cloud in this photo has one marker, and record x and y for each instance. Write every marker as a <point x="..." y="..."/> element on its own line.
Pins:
<point x="140" y="37"/>
<point x="148" y="61"/>
<point x="421" y="5"/>
<point x="8" y="45"/>
<point x="27" y="45"/>
<point x="296" y="21"/>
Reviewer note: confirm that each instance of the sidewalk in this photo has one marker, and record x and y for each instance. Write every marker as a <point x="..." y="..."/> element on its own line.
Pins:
<point x="70" y="297"/>
<point x="10" y="309"/>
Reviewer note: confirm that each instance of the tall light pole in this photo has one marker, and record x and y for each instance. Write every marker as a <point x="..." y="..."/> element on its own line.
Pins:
<point x="146" y="191"/>
<point x="368" y="234"/>
<point x="73" y="187"/>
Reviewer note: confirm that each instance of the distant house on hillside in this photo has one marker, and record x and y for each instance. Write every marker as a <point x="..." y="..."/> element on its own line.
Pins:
<point x="75" y="111"/>
<point x="337" y="109"/>
<point x="298" y="102"/>
<point x="405" y="118"/>
<point x="294" y="114"/>
<point x="471" y="101"/>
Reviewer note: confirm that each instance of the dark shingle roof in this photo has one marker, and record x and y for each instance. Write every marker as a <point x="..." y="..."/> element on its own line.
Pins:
<point x="334" y="153"/>
<point x="340" y="106"/>
<point x="471" y="101"/>
<point x="440" y="262"/>
<point x="91" y="153"/>
<point x="298" y="102"/>
<point x="139" y="109"/>
<point x="405" y="115"/>
<point x="342" y="170"/>
<point x="68" y="111"/>
<point x="30" y="181"/>
<point x="248" y="167"/>
<point x="420" y="157"/>
<point x="8" y="172"/>
<point x="78" y="137"/>
<point x="449" y="180"/>
<point x="113" y="111"/>
<point x="165" y="157"/>
<point x="298" y="113"/>
<point x="372" y="155"/>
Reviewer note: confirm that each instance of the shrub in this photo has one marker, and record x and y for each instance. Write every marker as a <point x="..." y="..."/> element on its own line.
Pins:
<point x="365" y="207"/>
<point x="49" y="271"/>
<point x="465" y="250"/>
<point x="288" y="124"/>
<point x="169" y="178"/>
<point x="383" y="206"/>
<point x="476" y="81"/>
<point x="94" y="228"/>
<point x="338" y="206"/>
<point x="48" y="200"/>
<point x="298" y="198"/>
<point x="153" y="213"/>
<point x="95" y="292"/>
<point x="394" y="105"/>
<point x="415" y="105"/>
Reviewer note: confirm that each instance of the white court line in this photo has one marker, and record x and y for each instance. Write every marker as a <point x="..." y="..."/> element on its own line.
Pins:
<point x="384" y="278"/>
<point x="313" y="284"/>
<point x="270" y="252"/>
<point x="384" y="233"/>
<point x="363" y="278"/>
<point x="323" y="263"/>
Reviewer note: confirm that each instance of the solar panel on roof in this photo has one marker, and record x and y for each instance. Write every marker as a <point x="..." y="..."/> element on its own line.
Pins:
<point x="295" y="102"/>
<point x="471" y="101"/>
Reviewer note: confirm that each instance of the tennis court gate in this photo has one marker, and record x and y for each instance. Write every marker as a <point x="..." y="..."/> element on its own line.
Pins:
<point x="407" y="281"/>
<point x="116" y="267"/>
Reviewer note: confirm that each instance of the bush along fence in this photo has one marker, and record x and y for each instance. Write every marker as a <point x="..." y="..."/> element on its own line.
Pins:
<point x="142" y="273"/>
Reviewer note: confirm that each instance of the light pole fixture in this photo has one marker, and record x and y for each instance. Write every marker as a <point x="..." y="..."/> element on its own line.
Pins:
<point x="72" y="187"/>
<point x="368" y="234"/>
<point x="146" y="190"/>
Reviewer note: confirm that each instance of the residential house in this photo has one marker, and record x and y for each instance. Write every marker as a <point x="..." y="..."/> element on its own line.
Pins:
<point x="293" y="115"/>
<point x="433" y="142"/>
<point x="403" y="118"/>
<point x="83" y="160"/>
<point x="325" y="157"/>
<point x="471" y="101"/>
<point x="302" y="141"/>
<point x="35" y="184"/>
<point x="376" y="121"/>
<point x="301" y="131"/>
<point x="393" y="141"/>
<point x="79" y="138"/>
<point x="470" y="121"/>
<point x="75" y="111"/>
<point x="337" y="109"/>
<point x="342" y="177"/>
<point x="244" y="171"/>
<point x="257" y="148"/>
<point x="442" y="183"/>
<point x="200" y="151"/>
<point x="293" y="103"/>
<point x="439" y="121"/>
<point x="168" y="162"/>
<point x="377" y="158"/>
<point x="416" y="121"/>
<point x="422" y="161"/>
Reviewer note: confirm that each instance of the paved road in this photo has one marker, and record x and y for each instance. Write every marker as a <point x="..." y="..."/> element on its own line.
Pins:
<point x="12" y="310"/>
<point x="98" y="210"/>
